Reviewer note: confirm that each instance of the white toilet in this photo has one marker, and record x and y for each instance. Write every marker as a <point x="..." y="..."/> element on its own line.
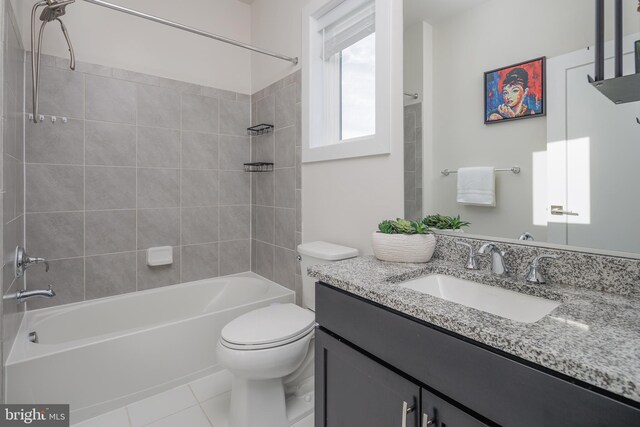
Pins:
<point x="264" y="346"/>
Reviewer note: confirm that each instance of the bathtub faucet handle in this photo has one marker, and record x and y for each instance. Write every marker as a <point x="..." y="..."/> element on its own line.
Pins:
<point x="24" y="261"/>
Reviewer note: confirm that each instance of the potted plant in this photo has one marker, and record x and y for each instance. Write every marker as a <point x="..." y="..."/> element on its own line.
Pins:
<point x="403" y="241"/>
<point x="445" y="223"/>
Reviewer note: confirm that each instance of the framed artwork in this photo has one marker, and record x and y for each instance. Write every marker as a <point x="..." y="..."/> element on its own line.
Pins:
<point x="515" y="92"/>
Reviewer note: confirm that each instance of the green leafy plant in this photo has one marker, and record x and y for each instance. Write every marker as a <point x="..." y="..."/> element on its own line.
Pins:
<point x="402" y="226"/>
<point x="443" y="222"/>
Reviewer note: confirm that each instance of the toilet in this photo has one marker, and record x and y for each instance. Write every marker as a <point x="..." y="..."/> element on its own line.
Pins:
<point x="268" y="348"/>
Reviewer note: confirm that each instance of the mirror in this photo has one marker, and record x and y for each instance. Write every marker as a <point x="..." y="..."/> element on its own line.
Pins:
<point x="503" y="84"/>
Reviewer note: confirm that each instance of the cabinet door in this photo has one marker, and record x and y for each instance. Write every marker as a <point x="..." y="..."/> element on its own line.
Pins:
<point x="438" y="413"/>
<point x="353" y="390"/>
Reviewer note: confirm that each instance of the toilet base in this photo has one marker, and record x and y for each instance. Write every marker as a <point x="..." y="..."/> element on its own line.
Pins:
<point x="258" y="403"/>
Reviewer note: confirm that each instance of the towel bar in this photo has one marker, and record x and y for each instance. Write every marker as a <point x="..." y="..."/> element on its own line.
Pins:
<point x="514" y="169"/>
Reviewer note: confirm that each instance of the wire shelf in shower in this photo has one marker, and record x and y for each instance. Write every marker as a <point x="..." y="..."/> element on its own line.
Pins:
<point x="258" y="167"/>
<point x="261" y="129"/>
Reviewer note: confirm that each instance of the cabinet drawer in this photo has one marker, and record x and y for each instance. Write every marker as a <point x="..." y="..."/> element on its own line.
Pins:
<point x="499" y="388"/>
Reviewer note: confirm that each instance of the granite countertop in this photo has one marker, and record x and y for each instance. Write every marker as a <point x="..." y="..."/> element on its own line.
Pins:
<point x="592" y="336"/>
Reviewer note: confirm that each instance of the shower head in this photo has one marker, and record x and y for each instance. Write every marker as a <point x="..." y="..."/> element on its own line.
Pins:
<point x="54" y="9"/>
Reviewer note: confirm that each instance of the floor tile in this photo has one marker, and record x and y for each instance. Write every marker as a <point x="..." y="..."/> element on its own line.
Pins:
<point x="117" y="418"/>
<point x="212" y="385"/>
<point x="305" y="422"/>
<point x="191" y="417"/>
<point x="161" y="405"/>
<point x="217" y="409"/>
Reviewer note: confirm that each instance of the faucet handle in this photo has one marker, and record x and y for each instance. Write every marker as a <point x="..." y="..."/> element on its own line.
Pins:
<point x="534" y="275"/>
<point x="472" y="259"/>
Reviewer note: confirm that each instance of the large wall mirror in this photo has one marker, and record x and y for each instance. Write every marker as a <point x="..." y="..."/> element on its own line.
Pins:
<point x="474" y="98"/>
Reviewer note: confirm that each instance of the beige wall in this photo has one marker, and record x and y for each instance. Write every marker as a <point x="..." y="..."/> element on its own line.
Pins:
<point x="105" y="37"/>
<point x="495" y="34"/>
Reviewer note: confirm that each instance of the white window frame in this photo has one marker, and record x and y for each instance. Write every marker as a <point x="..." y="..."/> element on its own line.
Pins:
<point x="318" y="142"/>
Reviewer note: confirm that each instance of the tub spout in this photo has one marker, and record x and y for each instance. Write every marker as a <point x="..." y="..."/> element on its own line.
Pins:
<point x="22" y="296"/>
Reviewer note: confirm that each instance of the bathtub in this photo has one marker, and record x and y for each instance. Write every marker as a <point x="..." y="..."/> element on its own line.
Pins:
<point x="104" y="354"/>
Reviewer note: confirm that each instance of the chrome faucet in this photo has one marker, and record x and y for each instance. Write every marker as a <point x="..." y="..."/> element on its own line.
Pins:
<point x="534" y="275"/>
<point x="498" y="265"/>
<point x="24" y="261"/>
<point x="22" y="296"/>
<point x="472" y="258"/>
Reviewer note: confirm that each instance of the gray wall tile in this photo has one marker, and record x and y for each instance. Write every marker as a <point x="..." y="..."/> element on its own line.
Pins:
<point x="110" y="100"/>
<point x="234" y="188"/>
<point x="265" y="111"/>
<point x="199" y="261"/>
<point x="262" y="259"/>
<point x="263" y="223"/>
<point x="158" y="106"/>
<point x="200" y="113"/>
<point x="110" y="231"/>
<point x="110" y="187"/>
<point x="110" y="144"/>
<point x="285" y="147"/>
<point x="199" y="187"/>
<point x="108" y="275"/>
<point x="263" y="148"/>
<point x="285" y="107"/>
<point x="235" y="222"/>
<point x="235" y="257"/>
<point x="158" y="227"/>
<point x="158" y="188"/>
<point x="199" y="225"/>
<point x="61" y="93"/>
<point x="284" y="267"/>
<point x="61" y="143"/>
<point x="234" y="117"/>
<point x="54" y="188"/>
<point x="285" y="196"/>
<point x="234" y="152"/>
<point x="55" y="235"/>
<point x="285" y="227"/>
<point x="199" y="150"/>
<point x="157" y="276"/>
<point x="66" y="277"/>
<point x="158" y="148"/>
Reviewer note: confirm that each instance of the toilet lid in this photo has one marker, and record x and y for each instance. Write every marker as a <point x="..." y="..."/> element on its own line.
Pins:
<point x="269" y="325"/>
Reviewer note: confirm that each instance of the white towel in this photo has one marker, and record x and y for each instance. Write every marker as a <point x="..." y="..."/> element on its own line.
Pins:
<point x="477" y="186"/>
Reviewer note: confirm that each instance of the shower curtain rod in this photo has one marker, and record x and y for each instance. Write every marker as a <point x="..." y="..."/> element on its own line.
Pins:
<point x="191" y="30"/>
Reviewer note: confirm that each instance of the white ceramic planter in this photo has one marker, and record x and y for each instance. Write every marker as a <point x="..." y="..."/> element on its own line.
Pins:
<point x="403" y="247"/>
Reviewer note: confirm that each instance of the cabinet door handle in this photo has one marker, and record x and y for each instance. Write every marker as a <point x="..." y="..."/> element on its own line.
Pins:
<point x="406" y="409"/>
<point x="426" y="422"/>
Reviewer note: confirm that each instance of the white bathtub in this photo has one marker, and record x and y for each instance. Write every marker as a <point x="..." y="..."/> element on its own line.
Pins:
<point x="101" y="355"/>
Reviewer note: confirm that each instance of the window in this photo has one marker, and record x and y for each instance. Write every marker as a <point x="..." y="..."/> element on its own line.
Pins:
<point x="345" y="61"/>
<point x="358" y="89"/>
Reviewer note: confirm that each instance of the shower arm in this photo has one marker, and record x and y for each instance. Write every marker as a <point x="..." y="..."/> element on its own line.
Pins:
<point x="163" y="21"/>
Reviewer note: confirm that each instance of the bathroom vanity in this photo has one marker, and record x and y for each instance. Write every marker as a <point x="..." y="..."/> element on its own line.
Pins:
<point x="389" y="356"/>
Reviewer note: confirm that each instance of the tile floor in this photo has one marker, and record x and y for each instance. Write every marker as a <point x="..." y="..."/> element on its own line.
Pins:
<point x="202" y="403"/>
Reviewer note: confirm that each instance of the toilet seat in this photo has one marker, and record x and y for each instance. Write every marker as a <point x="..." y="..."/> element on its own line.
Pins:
<point x="268" y="327"/>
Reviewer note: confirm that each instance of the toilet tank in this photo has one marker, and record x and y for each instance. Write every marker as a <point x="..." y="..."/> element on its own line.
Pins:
<point x="314" y="253"/>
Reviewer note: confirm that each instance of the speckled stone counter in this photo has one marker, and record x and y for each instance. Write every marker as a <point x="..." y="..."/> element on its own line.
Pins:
<point x="592" y="336"/>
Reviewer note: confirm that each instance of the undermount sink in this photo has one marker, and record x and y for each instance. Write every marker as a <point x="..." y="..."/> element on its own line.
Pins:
<point x="491" y="299"/>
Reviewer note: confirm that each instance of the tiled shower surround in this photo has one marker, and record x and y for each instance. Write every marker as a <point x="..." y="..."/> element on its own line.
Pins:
<point x="142" y="161"/>
<point x="277" y="195"/>
<point x="12" y="165"/>
<point x="413" y="161"/>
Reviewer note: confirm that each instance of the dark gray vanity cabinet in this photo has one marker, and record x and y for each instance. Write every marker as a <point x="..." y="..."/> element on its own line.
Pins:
<point x="358" y="391"/>
<point x="373" y="362"/>
<point x="377" y="396"/>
